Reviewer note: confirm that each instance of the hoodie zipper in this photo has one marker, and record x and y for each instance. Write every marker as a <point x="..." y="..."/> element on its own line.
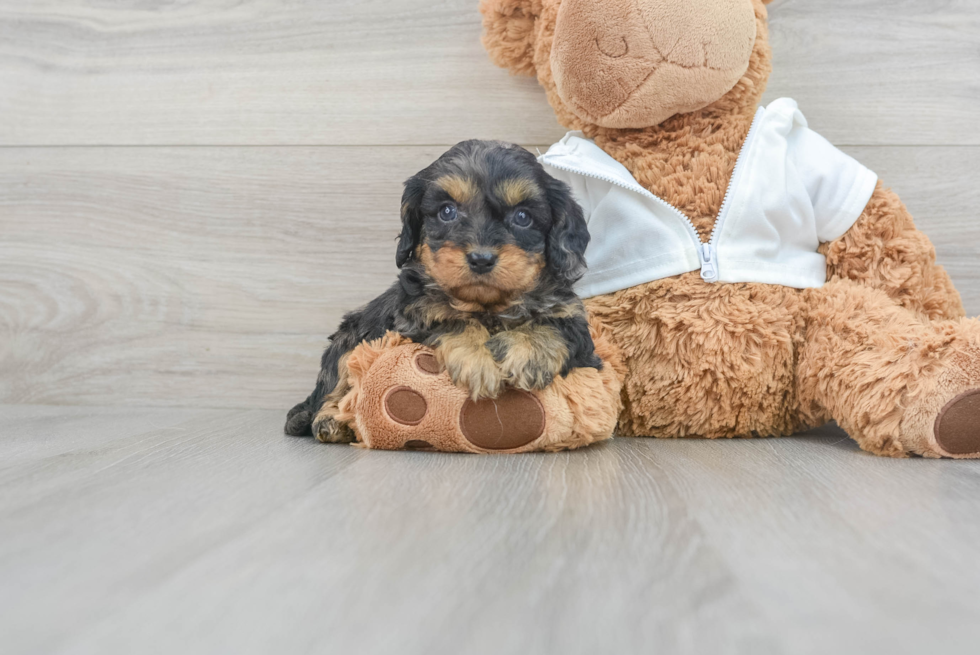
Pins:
<point x="709" y="267"/>
<point x="707" y="252"/>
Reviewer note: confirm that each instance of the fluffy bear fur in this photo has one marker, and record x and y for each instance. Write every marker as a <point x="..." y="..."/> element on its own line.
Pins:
<point x="882" y="348"/>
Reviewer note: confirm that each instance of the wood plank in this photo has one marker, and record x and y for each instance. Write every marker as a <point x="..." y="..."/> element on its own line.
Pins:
<point x="87" y="530"/>
<point x="211" y="277"/>
<point x="208" y="276"/>
<point x="218" y="534"/>
<point x="264" y="72"/>
<point x="879" y="72"/>
<point x="282" y="72"/>
<point x="208" y="538"/>
<point x="852" y="552"/>
<point x="32" y="432"/>
<point x="568" y="553"/>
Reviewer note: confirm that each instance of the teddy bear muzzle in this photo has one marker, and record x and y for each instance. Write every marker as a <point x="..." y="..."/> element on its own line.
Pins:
<point x="619" y="72"/>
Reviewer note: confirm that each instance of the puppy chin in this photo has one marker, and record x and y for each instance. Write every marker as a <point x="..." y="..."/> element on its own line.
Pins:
<point x="480" y="294"/>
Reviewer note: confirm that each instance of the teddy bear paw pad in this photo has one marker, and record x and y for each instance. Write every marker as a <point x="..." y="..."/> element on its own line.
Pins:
<point x="418" y="444"/>
<point x="957" y="427"/>
<point x="427" y="363"/>
<point x="512" y="420"/>
<point x="405" y="406"/>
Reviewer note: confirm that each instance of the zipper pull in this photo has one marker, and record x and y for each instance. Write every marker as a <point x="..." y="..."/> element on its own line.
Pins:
<point x="709" y="263"/>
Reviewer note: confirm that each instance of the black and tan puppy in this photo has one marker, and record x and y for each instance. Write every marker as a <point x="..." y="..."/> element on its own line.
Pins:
<point x="490" y="248"/>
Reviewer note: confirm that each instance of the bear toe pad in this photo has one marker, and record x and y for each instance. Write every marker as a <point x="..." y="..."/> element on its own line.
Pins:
<point x="512" y="420"/>
<point x="957" y="428"/>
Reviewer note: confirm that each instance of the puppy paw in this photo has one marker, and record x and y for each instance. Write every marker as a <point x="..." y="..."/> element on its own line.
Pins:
<point x="470" y="364"/>
<point x="328" y="430"/>
<point x="529" y="358"/>
<point x="476" y="371"/>
<point x="298" y="421"/>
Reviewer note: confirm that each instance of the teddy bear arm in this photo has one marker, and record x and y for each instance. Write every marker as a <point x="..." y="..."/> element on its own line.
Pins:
<point x="401" y="397"/>
<point x="884" y="250"/>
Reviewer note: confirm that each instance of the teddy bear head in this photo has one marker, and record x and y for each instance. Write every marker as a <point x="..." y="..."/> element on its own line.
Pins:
<point x="629" y="64"/>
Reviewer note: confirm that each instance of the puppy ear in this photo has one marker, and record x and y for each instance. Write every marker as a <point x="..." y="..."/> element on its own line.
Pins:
<point x="508" y="34"/>
<point x="569" y="235"/>
<point x="412" y="220"/>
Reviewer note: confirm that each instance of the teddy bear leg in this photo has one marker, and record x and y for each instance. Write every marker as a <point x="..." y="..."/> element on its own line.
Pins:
<point x="899" y="384"/>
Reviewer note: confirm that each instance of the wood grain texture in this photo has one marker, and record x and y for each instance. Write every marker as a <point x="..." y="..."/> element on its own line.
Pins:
<point x="412" y="72"/>
<point x="874" y="72"/>
<point x="214" y="533"/>
<point x="212" y="276"/>
<point x="224" y="270"/>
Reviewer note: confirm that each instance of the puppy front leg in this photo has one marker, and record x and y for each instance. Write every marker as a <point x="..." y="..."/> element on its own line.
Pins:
<point x="326" y="428"/>
<point x="329" y="430"/>
<point x="530" y="356"/>
<point x="469" y="363"/>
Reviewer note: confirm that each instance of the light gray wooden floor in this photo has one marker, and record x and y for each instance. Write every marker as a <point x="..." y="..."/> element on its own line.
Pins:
<point x="192" y="193"/>
<point x="206" y="531"/>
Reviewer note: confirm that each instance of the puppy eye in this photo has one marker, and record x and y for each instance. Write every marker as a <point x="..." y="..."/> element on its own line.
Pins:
<point x="522" y="218"/>
<point x="448" y="213"/>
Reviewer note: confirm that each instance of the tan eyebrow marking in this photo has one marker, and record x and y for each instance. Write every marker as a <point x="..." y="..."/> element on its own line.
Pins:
<point x="461" y="189"/>
<point x="516" y="190"/>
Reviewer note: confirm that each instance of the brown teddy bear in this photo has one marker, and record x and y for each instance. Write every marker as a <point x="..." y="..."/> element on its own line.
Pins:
<point x="756" y="280"/>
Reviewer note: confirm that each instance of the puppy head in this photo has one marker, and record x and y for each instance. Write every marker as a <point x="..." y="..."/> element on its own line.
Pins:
<point x="488" y="224"/>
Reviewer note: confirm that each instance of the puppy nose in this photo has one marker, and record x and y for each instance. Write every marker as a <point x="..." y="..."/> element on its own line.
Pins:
<point x="481" y="261"/>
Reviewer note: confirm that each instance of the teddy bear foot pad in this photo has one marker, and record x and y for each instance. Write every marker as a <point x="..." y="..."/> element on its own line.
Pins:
<point x="957" y="428"/>
<point x="512" y="420"/>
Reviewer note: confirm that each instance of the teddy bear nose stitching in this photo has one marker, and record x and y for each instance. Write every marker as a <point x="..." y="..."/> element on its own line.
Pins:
<point x="614" y="46"/>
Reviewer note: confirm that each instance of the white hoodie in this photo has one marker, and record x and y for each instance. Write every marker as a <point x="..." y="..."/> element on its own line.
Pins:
<point x="790" y="191"/>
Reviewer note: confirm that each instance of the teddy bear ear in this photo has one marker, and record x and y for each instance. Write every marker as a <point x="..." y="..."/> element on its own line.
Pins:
<point x="508" y="34"/>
